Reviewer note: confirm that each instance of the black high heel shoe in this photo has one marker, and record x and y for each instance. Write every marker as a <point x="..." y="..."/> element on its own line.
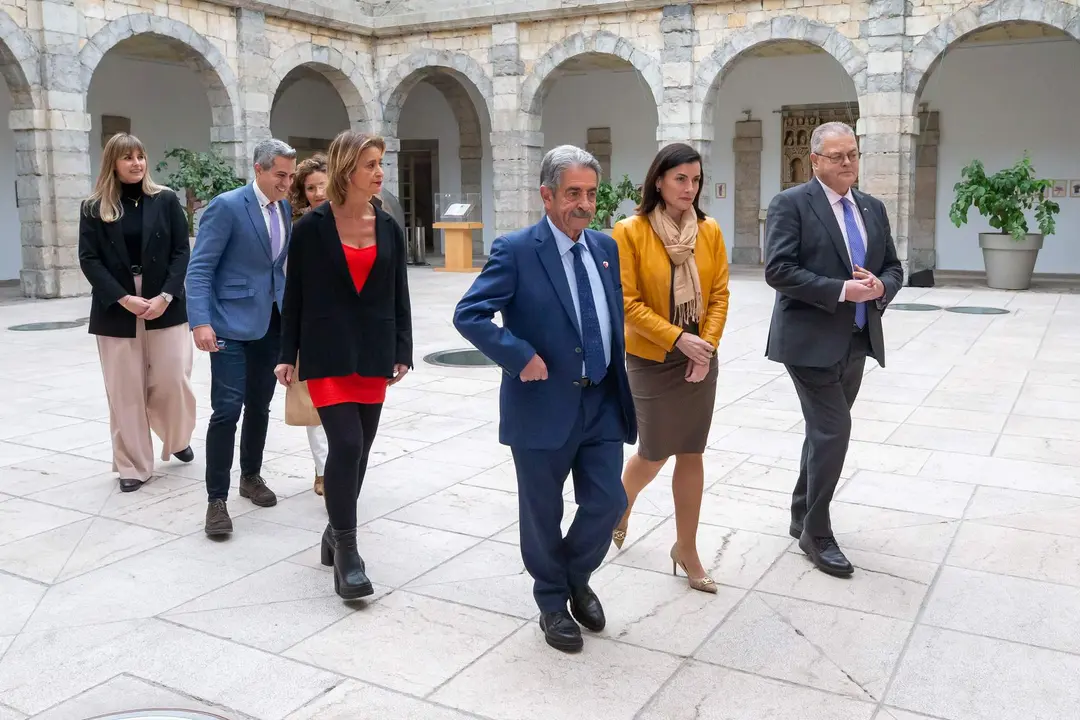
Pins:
<point x="350" y="581"/>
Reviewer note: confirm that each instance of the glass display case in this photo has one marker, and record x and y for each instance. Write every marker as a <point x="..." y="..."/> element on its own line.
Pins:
<point x="458" y="208"/>
<point x="458" y="216"/>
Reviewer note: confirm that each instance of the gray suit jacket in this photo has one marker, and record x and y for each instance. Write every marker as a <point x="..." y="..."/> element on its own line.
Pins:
<point x="807" y="263"/>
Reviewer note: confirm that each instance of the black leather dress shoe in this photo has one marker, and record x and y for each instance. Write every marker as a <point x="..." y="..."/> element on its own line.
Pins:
<point x="560" y="631"/>
<point x="130" y="484"/>
<point x="826" y="554"/>
<point x="186" y="455"/>
<point x="586" y="609"/>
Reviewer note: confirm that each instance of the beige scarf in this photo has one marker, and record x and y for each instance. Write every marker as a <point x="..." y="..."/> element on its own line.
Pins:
<point x="679" y="241"/>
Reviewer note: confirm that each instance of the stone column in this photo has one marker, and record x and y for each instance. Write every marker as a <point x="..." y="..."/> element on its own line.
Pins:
<point x="747" y="144"/>
<point x="680" y="119"/>
<point x="922" y="251"/>
<point x="598" y="142"/>
<point x="256" y="95"/>
<point x="53" y="143"/>
<point x="516" y="141"/>
<point x="886" y="129"/>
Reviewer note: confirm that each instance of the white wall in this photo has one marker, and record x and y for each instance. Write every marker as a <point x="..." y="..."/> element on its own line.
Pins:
<point x="10" y="237"/>
<point x="619" y="100"/>
<point x="167" y="105"/>
<point x="427" y="115"/>
<point x="762" y="85"/>
<point x="995" y="102"/>
<point x="309" y="108"/>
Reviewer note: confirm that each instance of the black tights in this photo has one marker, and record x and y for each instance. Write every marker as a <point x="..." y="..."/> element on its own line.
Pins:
<point x="350" y="431"/>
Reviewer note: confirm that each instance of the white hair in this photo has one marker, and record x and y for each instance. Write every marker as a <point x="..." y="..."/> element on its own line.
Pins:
<point x="826" y="130"/>
<point x="560" y="159"/>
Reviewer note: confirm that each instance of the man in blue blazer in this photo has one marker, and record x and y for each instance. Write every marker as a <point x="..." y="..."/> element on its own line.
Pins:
<point x="235" y="287"/>
<point x="565" y="402"/>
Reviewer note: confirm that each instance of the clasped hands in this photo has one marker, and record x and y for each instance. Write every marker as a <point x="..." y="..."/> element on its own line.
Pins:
<point x="142" y="308"/>
<point x="863" y="287"/>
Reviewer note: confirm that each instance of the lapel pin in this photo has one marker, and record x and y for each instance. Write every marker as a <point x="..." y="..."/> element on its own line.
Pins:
<point x="605" y="264"/>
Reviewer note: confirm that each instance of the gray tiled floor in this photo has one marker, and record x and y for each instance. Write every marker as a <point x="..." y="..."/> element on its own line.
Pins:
<point x="960" y="506"/>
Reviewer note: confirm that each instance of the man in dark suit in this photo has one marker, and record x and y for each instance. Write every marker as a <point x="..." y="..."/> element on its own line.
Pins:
<point x="235" y="288"/>
<point x="829" y="254"/>
<point x="565" y="402"/>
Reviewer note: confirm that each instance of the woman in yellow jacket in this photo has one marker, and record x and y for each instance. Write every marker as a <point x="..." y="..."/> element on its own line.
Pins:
<point x="675" y="290"/>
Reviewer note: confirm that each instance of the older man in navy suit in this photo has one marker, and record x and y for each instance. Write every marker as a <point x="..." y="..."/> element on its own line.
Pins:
<point x="565" y="402"/>
<point x="235" y="287"/>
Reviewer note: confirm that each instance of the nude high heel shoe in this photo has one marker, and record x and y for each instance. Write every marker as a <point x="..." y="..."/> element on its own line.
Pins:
<point x="618" y="535"/>
<point x="704" y="583"/>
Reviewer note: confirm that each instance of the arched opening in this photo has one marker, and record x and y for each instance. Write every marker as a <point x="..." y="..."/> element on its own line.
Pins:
<point x="291" y="117"/>
<point x="992" y="95"/>
<point x="165" y="92"/>
<point x="441" y="120"/>
<point x="20" y="216"/>
<point x="762" y="109"/>
<point x="10" y="228"/>
<point x="617" y="125"/>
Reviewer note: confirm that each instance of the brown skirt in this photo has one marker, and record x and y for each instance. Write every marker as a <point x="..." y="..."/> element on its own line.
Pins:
<point x="674" y="416"/>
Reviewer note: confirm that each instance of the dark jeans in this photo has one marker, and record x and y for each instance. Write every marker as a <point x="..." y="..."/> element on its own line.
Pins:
<point x="826" y="395"/>
<point x="350" y="431"/>
<point x="242" y="378"/>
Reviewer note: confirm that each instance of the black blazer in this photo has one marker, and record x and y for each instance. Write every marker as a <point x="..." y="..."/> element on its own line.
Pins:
<point x="807" y="263"/>
<point x="103" y="257"/>
<point x="336" y="330"/>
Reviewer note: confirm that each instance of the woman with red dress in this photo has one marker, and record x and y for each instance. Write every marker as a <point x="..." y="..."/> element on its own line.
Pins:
<point x="346" y="312"/>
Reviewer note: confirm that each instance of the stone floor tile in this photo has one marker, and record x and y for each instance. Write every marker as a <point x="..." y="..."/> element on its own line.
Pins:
<point x="1043" y="450"/>
<point x="21" y="519"/>
<point x="732" y="557"/>
<point x="490" y="576"/>
<point x="997" y="680"/>
<point x="125" y="693"/>
<point x="1020" y="553"/>
<point x="463" y="509"/>
<point x="352" y="699"/>
<point x="7" y="713"/>
<point x="1003" y="473"/>
<point x="517" y="680"/>
<point x="41" y="557"/>
<point x="928" y="540"/>
<point x="501" y="477"/>
<point x="841" y="651"/>
<point x="954" y="439"/>
<point x="429" y="428"/>
<point x="704" y="692"/>
<point x="882" y="584"/>
<point x="759" y="511"/>
<point x="951" y="419"/>
<point x="899" y="492"/>
<point x="43" y="474"/>
<point x="66" y="437"/>
<point x="422" y="642"/>
<point x="21" y="597"/>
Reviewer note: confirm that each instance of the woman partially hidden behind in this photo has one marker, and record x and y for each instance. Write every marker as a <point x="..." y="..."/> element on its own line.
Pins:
<point x="675" y="289"/>
<point x="347" y="314"/>
<point x="133" y="249"/>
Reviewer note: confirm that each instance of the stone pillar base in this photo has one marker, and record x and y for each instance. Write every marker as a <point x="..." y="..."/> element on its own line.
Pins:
<point x="746" y="256"/>
<point x="53" y="283"/>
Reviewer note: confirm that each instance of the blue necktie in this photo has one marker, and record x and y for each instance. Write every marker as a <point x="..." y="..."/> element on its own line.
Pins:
<point x="858" y="253"/>
<point x="591" y="340"/>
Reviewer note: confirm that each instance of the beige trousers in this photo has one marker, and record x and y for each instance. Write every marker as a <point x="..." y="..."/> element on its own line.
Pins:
<point x="148" y="382"/>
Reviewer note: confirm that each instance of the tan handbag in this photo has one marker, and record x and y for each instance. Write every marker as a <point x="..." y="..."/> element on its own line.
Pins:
<point x="299" y="411"/>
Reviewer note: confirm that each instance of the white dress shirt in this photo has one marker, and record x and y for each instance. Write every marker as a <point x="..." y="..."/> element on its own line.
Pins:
<point x="603" y="313"/>
<point x="264" y="204"/>
<point x="836" y="202"/>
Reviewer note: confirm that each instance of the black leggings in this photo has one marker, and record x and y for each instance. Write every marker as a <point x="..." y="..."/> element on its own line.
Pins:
<point x="350" y="431"/>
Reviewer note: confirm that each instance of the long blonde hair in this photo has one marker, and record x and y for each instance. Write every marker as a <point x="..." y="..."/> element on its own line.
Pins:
<point x="342" y="157"/>
<point x="106" y="196"/>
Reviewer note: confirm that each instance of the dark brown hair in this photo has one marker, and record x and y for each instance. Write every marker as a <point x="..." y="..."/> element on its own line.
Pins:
<point x="669" y="157"/>
<point x="298" y="200"/>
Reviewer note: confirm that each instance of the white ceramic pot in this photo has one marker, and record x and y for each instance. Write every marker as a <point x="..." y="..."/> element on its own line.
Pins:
<point x="1009" y="263"/>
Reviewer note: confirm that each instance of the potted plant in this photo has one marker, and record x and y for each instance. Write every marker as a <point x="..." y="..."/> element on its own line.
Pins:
<point x="1003" y="198"/>
<point x="608" y="199"/>
<point x="201" y="175"/>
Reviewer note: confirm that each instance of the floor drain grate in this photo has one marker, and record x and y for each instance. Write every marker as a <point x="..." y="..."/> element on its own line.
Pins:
<point x="974" y="310"/>
<point x="914" y="307"/>
<point x="38" y="326"/>
<point x="459" y="358"/>
<point x="159" y="715"/>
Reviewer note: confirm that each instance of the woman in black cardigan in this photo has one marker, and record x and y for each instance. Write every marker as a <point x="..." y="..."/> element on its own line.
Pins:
<point x="133" y="248"/>
<point x="346" y="313"/>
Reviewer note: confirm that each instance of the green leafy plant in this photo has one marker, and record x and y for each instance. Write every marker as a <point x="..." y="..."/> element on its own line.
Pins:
<point x="1003" y="198"/>
<point x="202" y="175"/>
<point x="608" y="199"/>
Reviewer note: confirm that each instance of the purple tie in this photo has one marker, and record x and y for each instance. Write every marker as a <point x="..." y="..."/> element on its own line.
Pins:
<point x="275" y="231"/>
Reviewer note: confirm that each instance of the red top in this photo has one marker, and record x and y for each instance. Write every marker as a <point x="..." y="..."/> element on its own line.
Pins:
<point x="351" y="388"/>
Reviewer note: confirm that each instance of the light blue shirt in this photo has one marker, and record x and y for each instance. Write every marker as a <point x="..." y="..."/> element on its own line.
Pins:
<point x="603" y="312"/>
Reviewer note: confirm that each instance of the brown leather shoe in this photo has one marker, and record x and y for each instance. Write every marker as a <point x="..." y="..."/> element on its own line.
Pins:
<point x="254" y="488"/>
<point x="318" y="484"/>
<point x="218" y="522"/>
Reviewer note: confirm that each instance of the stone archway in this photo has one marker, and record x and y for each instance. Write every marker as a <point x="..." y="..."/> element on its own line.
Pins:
<point x="206" y="60"/>
<point x="341" y="71"/>
<point x="467" y="89"/>
<point x="539" y="80"/>
<point x="927" y="53"/>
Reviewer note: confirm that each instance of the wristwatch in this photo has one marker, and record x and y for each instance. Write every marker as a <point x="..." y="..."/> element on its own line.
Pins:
<point x="168" y="297"/>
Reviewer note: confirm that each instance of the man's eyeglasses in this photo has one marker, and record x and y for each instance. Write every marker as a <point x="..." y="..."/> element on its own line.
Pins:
<point x="837" y="158"/>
